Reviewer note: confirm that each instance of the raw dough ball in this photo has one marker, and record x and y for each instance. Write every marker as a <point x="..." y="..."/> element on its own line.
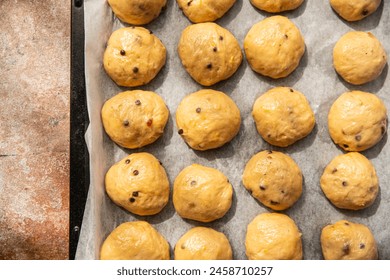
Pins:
<point x="274" y="179"/>
<point x="135" y="241"/>
<point x="357" y="120"/>
<point x="135" y="118"/>
<point x="276" y="6"/>
<point x="139" y="184"/>
<point x="283" y="116"/>
<point x="209" y="53"/>
<point x="274" y="47"/>
<point x="133" y="56"/>
<point x="137" y="12"/>
<point x="201" y="243"/>
<point x="353" y="10"/>
<point x="350" y="182"/>
<point x="202" y="193"/>
<point x="273" y="236"/>
<point x="205" y="10"/>
<point x="359" y="57"/>
<point x="207" y="119"/>
<point x="345" y="240"/>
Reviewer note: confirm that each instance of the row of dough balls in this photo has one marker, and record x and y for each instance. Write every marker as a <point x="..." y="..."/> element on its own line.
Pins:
<point x="139" y="12"/>
<point x="210" y="53"/>
<point x="208" y="119"/>
<point x="269" y="236"/>
<point x="139" y="184"/>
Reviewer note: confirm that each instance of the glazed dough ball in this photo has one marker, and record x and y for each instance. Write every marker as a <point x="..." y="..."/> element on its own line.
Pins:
<point x="137" y="12"/>
<point x="135" y="118"/>
<point x="207" y="119"/>
<point x="201" y="243"/>
<point x="139" y="184"/>
<point x="357" y="120"/>
<point x="276" y="6"/>
<point x="202" y="193"/>
<point x="274" y="179"/>
<point x="133" y="56"/>
<point x="283" y="116"/>
<point x="274" y="47"/>
<point x="135" y="241"/>
<point x="205" y="10"/>
<point x="345" y="240"/>
<point x="273" y="236"/>
<point x="359" y="57"/>
<point x="209" y="53"/>
<point x="350" y="182"/>
<point x="353" y="10"/>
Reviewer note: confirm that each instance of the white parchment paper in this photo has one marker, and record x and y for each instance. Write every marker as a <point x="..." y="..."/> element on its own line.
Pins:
<point x="315" y="77"/>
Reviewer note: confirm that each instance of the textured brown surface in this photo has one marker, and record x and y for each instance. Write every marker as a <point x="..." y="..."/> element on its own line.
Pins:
<point x="34" y="129"/>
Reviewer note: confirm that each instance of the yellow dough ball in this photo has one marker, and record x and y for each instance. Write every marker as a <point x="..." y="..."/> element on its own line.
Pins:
<point x="353" y="10"/>
<point x="209" y="53"/>
<point x="350" y="182"/>
<point x="276" y="6"/>
<point x="201" y="243"/>
<point x="135" y="118"/>
<point x="135" y="241"/>
<point x="202" y="193"/>
<point x="357" y="120"/>
<point x="274" y="47"/>
<point x="133" y="56"/>
<point x="359" y="57"/>
<point x="345" y="240"/>
<point x="283" y="116"/>
<point x="137" y="12"/>
<point x="205" y="10"/>
<point x="139" y="184"/>
<point x="274" y="179"/>
<point x="207" y="119"/>
<point x="273" y="236"/>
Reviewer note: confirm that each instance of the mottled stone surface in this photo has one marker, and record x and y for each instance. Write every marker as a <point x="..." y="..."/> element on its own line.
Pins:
<point x="34" y="129"/>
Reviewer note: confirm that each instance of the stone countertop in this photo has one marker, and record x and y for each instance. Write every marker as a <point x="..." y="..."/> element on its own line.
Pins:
<point x="34" y="129"/>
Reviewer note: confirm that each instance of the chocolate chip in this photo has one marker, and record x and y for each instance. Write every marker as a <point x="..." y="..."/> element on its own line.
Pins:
<point x="193" y="183"/>
<point x="215" y="49"/>
<point x="334" y="170"/>
<point x="269" y="135"/>
<point x="345" y="146"/>
<point x="189" y="3"/>
<point x="137" y="102"/>
<point x="346" y="249"/>
<point x="135" y="70"/>
<point x="123" y="52"/>
<point x="182" y="246"/>
<point x="250" y="191"/>
<point x="274" y="202"/>
<point x="358" y="138"/>
<point x="126" y="123"/>
<point x="362" y="246"/>
<point x="269" y="152"/>
<point x="220" y="38"/>
<point x="180" y="131"/>
<point x="127" y="161"/>
<point x="135" y="172"/>
<point x="347" y="224"/>
<point x="345" y="183"/>
<point x="149" y="122"/>
<point x="209" y="66"/>
<point x="135" y="194"/>
<point x="132" y="199"/>
<point x="150" y="32"/>
<point x="160" y="162"/>
<point x="291" y="90"/>
<point x="198" y="110"/>
<point x="365" y="12"/>
<point x="262" y="188"/>
<point x="286" y="36"/>
<point x="282" y="191"/>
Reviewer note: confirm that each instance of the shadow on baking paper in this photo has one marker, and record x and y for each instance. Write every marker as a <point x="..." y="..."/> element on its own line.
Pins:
<point x="231" y="14"/>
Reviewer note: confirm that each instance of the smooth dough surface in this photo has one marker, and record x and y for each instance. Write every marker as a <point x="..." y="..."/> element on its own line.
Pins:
<point x="205" y="10"/>
<point x="207" y="119"/>
<point x="202" y="193"/>
<point x="359" y="57"/>
<point x="135" y="118"/>
<point x="201" y="243"/>
<point x="209" y="53"/>
<point x="274" y="179"/>
<point x="353" y="10"/>
<point x="139" y="184"/>
<point x="133" y="56"/>
<point x="135" y="241"/>
<point x="345" y="240"/>
<point x="137" y="12"/>
<point x="283" y="116"/>
<point x="350" y="181"/>
<point x="276" y="6"/>
<point x="274" y="47"/>
<point x="273" y="236"/>
<point x="357" y="120"/>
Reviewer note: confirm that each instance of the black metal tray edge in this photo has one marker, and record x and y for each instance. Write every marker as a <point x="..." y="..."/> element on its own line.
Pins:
<point x="79" y="157"/>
